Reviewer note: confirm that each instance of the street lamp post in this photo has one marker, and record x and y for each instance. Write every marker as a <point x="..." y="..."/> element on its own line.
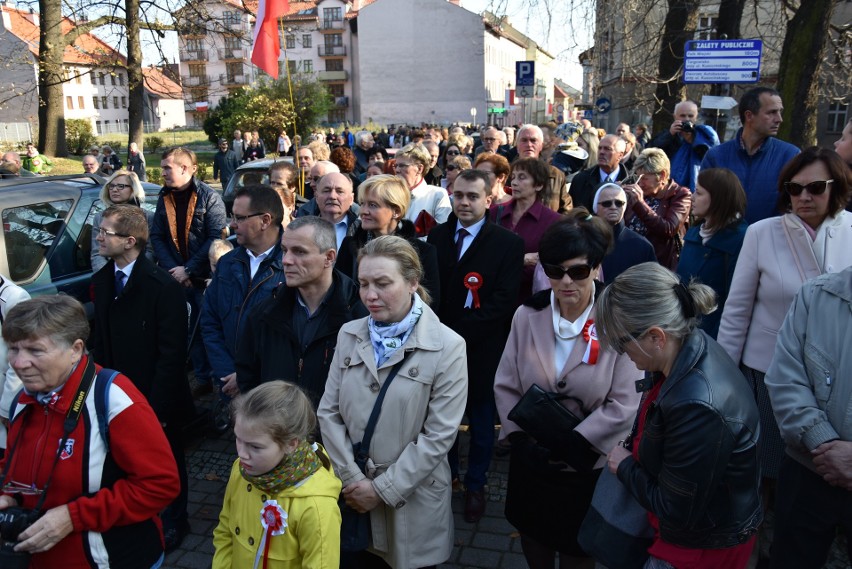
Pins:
<point x="473" y="116"/>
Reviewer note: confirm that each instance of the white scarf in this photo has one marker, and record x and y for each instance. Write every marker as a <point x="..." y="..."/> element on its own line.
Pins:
<point x="388" y="337"/>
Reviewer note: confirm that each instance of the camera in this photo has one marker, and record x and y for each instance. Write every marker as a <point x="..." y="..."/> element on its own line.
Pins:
<point x="687" y="126"/>
<point x="13" y="521"/>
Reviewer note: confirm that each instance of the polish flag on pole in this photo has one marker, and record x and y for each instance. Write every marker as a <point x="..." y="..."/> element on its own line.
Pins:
<point x="267" y="44"/>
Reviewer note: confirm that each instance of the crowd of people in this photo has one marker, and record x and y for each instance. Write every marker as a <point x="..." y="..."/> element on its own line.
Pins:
<point x="671" y="313"/>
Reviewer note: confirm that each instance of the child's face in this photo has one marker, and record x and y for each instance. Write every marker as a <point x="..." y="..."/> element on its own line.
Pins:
<point x="257" y="451"/>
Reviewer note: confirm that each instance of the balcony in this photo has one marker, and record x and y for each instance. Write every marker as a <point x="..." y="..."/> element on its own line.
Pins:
<point x="331" y="50"/>
<point x="333" y="75"/>
<point x="341" y="102"/>
<point x="193" y="30"/>
<point x="235" y="26"/>
<point x="228" y="80"/>
<point x="232" y="54"/>
<point x="331" y="25"/>
<point x="195" y="80"/>
<point x="193" y="55"/>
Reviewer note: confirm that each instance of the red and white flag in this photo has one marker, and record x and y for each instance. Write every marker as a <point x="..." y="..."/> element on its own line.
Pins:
<point x="267" y="44"/>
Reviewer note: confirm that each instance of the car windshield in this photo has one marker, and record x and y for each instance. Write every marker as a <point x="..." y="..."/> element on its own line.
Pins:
<point x="30" y="231"/>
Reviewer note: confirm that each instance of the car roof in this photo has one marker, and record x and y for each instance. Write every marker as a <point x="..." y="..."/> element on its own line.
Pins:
<point x="48" y="187"/>
<point x="264" y="163"/>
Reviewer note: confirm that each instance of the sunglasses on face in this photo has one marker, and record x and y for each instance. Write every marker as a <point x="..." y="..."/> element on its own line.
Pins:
<point x="451" y="168"/>
<point x="453" y="153"/>
<point x="610" y="203"/>
<point x="577" y="272"/>
<point x="815" y="188"/>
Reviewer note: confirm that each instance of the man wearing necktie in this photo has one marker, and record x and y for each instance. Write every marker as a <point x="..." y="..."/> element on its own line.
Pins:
<point x="141" y="331"/>
<point x="480" y="266"/>
<point x="609" y="169"/>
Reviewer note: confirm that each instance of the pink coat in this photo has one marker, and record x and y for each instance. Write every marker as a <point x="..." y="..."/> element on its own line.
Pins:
<point x="607" y="387"/>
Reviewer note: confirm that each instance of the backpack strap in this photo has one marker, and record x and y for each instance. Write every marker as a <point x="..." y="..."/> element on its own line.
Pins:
<point x="14" y="406"/>
<point x="103" y="381"/>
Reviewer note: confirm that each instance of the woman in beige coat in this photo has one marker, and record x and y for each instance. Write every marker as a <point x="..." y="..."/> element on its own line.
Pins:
<point x="406" y="487"/>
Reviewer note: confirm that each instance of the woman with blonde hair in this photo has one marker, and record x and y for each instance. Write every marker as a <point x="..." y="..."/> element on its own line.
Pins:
<point x="430" y="205"/>
<point x="123" y="187"/>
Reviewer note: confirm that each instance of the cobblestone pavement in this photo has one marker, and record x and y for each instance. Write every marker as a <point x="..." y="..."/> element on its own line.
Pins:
<point x="492" y="543"/>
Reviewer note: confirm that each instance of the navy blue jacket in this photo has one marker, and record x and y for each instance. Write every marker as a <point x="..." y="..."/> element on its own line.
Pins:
<point x="208" y="221"/>
<point x="758" y="174"/>
<point x="229" y="299"/>
<point x="629" y="248"/>
<point x="713" y="264"/>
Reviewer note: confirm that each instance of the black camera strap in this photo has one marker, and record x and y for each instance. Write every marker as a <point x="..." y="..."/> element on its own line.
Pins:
<point x="75" y="411"/>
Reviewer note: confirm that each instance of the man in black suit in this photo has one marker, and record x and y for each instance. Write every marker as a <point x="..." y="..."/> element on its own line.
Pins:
<point x="586" y="183"/>
<point x="480" y="266"/>
<point x="141" y="331"/>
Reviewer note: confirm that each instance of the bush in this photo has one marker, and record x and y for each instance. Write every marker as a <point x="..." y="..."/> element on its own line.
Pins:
<point x="153" y="143"/>
<point x="79" y="136"/>
<point x="154" y="175"/>
<point x="202" y="173"/>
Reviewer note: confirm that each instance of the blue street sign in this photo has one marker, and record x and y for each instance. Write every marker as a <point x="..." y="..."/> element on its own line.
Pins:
<point x="588" y="114"/>
<point x="524" y="73"/>
<point x="603" y="105"/>
<point x="722" y="61"/>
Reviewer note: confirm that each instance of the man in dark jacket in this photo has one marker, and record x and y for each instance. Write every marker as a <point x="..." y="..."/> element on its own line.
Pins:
<point x="225" y="163"/>
<point x="609" y="169"/>
<point x="141" y="330"/>
<point x="292" y="336"/>
<point x="188" y="218"/>
<point x="480" y="267"/>
<point x="244" y="278"/>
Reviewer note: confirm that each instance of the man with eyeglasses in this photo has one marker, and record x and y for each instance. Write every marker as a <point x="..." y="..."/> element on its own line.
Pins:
<point x="609" y="169"/>
<point x="189" y="216"/>
<point x="225" y="163"/>
<point x="490" y="142"/>
<point x="141" y="329"/>
<point x="629" y="248"/>
<point x="755" y="155"/>
<point x="244" y="277"/>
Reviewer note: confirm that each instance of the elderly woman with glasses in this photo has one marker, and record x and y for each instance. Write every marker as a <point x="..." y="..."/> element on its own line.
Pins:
<point x="657" y="208"/>
<point x="456" y="166"/>
<point x="629" y="248"/>
<point x="123" y="187"/>
<point x="552" y="346"/>
<point x="778" y="255"/>
<point x="91" y="465"/>
<point x="430" y="205"/>
<point x="691" y="460"/>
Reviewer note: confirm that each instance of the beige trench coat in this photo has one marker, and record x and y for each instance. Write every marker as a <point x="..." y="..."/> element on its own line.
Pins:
<point x="413" y="526"/>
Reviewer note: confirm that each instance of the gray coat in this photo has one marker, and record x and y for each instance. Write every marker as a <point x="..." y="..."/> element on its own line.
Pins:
<point x="810" y="377"/>
<point x="413" y="526"/>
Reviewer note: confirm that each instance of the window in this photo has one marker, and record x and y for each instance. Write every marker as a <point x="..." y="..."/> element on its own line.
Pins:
<point x="121" y="79"/>
<point x="335" y="90"/>
<point x="234" y="69"/>
<point x="124" y="102"/>
<point x="337" y="115"/>
<point x="77" y="78"/>
<point x="306" y="40"/>
<point x="292" y="67"/>
<point x="112" y="78"/>
<point x="307" y="66"/>
<point x="706" y="27"/>
<point x="232" y="43"/>
<point x="197" y="70"/>
<point x="101" y="77"/>
<point x="69" y="102"/>
<point x="115" y="102"/>
<point x="80" y="102"/>
<point x="231" y="19"/>
<point x="837" y="112"/>
<point x="334" y="40"/>
<point x="96" y="103"/>
<point x="196" y="44"/>
<point x="30" y="231"/>
<point x="98" y="127"/>
<point x="104" y="103"/>
<point x="334" y="65"/>
<point x="291" y="41"/>
<point x="332" y="14"/>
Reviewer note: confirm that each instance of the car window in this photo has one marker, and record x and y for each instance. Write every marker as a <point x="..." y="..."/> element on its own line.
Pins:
<point x="248" y="178"/>
<point x="29" y="232"/>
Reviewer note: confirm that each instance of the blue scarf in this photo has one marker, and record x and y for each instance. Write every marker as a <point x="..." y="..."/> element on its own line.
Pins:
<point x="388" y="337"/>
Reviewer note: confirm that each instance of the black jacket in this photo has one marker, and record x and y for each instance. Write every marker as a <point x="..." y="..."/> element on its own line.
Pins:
<point x="269" y="348"/>
<point x="699" y="471"/>
<point x="497" y="255"/>
<point x="586" y="183"/>
<point x="347" y="258"/>
<point x="629" y="248"/>
<point x="143" y="334"/>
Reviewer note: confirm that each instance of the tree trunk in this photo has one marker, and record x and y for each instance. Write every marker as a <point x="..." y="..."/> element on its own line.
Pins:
<point x="681" y="20"/>
<point x="51" y="113"/>
<point x="801" y="57"/>
<point x="135" y="79"/>
<point x="727" y="27"/>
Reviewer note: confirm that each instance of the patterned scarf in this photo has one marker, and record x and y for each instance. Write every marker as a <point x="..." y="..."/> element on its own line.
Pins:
<point x="295" y="468"/>
<point x="388" y="337"/>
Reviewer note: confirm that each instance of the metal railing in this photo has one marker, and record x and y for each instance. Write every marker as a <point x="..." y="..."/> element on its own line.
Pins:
<point x="331" y="50"/>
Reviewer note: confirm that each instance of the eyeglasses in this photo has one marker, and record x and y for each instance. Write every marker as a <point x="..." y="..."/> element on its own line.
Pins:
<point x="399" y="166"/>
<point x="815" y="188"/>
<point x="577" y="272"/>
<point x="119" y="187"/>
<point x="610" y="203"/>
<point x="238" y="219"/>
<point x="451" y="168"/>
<point x="104" y="232"/>
<point x="453" y="153"/>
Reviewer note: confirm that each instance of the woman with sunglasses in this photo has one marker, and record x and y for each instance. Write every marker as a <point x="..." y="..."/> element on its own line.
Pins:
<point x="629" y="248"/>
<point x="453" y="150"/>
<point x="123" y="187"/>
<point x="553" y="345"/>
<point x="711" y="248"/>
<point x="814" y="236"/>
<point x="691" y="460"/>
<point x="455" y="167"/>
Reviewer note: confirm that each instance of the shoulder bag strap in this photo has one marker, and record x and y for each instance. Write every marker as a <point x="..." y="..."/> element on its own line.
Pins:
<point x="377" y="407"/>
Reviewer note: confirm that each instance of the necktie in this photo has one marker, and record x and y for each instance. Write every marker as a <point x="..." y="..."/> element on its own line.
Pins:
<point x="460" y="241"/>
<point x="119" y="282"/>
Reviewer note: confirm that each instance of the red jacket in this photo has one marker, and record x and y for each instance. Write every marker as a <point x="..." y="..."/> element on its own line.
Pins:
<point x="114" y="499"/>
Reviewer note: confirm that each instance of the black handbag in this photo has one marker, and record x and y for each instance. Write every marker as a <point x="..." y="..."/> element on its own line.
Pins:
<point x="541" y="415"/>
<point x="355" y="526"/>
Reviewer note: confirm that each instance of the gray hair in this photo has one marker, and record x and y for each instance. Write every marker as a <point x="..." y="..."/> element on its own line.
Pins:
<point x="418" y="153"/>
<point x="653" y="161"/>
<point x="361" y="135"/>
<point x="530" y="127"/>
<point x="329" y="167"/>
<point x="645" y="296"/>
<point x="324" y="236"/>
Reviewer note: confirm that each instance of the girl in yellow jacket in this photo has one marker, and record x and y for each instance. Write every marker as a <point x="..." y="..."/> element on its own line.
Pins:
<point x="280" y="509"/>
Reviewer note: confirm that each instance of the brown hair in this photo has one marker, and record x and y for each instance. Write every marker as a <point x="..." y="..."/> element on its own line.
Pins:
<point x="129" y="220"/>
<point x="500" y="164"/>
<point x="837" y="170"/>
<point x="344" y="158"/>
<point x="403" y="253"/>
<point x="181" y="154"/>
<point x="280" y="409"/>
<point x="727" y="198"/>
<point x="538" y="170"/>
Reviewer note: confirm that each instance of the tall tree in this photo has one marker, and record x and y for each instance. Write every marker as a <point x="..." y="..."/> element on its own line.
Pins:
<point x="51" y="115"/>
<point x="803" y="52"/>
<point x="135" y="79"/>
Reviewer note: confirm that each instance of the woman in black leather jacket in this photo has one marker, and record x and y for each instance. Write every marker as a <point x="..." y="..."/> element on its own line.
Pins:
<point x="693" y="463"/>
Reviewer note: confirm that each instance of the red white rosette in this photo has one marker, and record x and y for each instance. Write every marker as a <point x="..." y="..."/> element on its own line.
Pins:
<point x="473" y="282"/>
<point x="593" y="348"/>
<point x="273" y="518"/>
